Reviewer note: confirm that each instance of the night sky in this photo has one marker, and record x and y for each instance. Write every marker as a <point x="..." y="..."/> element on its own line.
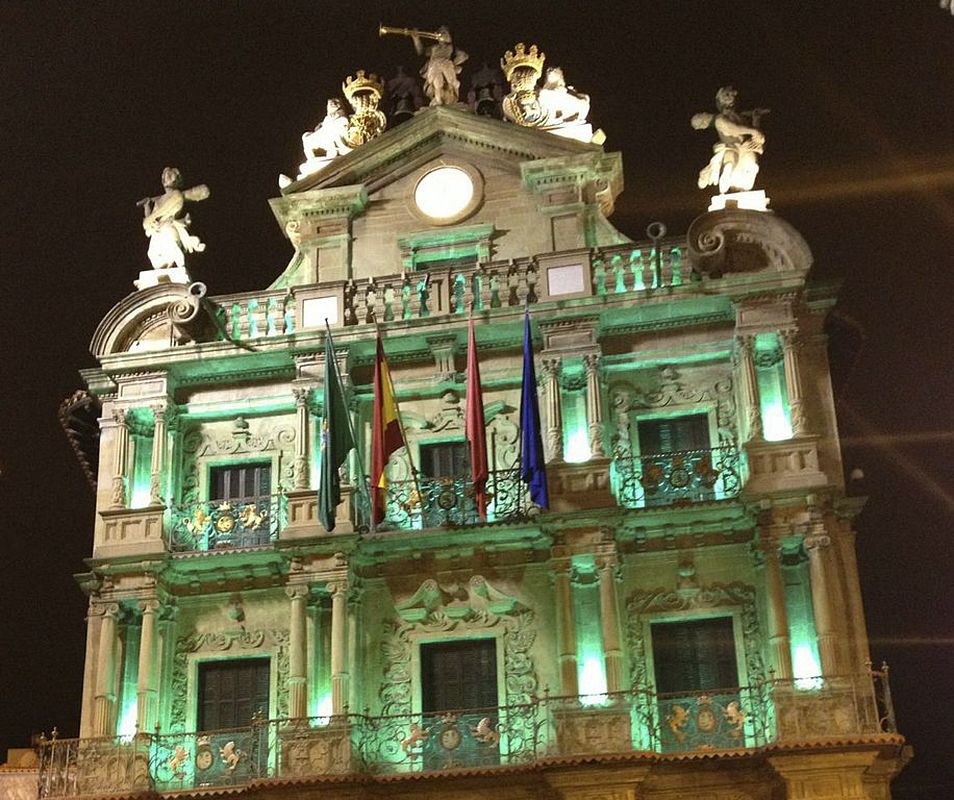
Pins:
<point x="96" y="98"/>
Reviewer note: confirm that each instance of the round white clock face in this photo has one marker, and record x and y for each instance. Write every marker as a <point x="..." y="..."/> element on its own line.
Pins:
<point x="444" y="193"/>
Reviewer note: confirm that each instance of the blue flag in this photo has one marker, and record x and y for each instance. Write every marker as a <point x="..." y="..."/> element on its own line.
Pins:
<point x="533" y="470"/>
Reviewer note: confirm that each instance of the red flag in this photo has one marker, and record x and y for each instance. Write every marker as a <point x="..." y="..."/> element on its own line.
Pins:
<point x="474" y="427"/>
<point x="386" y="436"/>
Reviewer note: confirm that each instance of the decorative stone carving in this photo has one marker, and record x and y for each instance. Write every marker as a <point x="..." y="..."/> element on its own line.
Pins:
<point x="364" y="92"/>
<point x="166" y="227"/>
<point x="222" y="642"/>
<point x="734" y="163"/>
<point x="198" y="444"/>
<point x="717" y="595"/>
<point x="476" y="606"/>
<point x="553" y="107"/>
<point x="442" y="67"/>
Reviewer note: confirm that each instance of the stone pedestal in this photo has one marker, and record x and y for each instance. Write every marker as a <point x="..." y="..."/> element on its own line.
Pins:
<point x="312" y="752"/>
<point x="130" y="532"/>
<point x="588" y="731"/>
<point x="153" y="277"/>
<point x="784" y="466"/>
<point x="302" y="509"/>
<point x="577" y="487"/>
<point x="747" y="201"/>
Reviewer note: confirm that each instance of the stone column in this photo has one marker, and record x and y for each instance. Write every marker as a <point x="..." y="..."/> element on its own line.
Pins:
<point x="166" y="658"/>
<point x="552" y="368"/>
<point x="146" y="690"/>
<point x="339" y="645"/>
<point x="609" y="620"/>
<point x="566" y="629"/>
<point x="793" y="381"/>
<point x="779" y="636"/>
<point x="158" y="455"/>
<point x="750" y="385"/>
<point x="302" y="449"/>
<point x="297" y="672"/>
<point x="817" y="545"/>
<point x="105" y="670"/>
<point x="594" y="404"/>
<point x="121" y="454"/>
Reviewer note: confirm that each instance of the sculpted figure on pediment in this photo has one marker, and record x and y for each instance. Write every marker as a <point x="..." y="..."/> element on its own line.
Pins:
<point x="165" y="224"/>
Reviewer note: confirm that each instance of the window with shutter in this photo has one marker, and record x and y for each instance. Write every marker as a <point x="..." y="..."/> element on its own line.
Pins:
<point x="673" y="435"/>
<point x="240" y="481"/>
<point x="231" y="692"/>
<point x="694" y="656"/>
<point x="445" y="460"/>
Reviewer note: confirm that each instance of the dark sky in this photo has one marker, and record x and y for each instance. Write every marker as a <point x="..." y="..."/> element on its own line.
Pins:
<point x="96" y="98"/>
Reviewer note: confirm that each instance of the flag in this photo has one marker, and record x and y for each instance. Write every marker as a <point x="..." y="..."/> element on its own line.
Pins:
<point x="533" y="471"/>
<point x="336" y="440"/>
<point x="474" y="428"/>
<point x="386" y="435"/>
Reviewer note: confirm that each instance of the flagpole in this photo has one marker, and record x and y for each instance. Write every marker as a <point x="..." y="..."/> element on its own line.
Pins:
<point x="354" y="438"/>
<point x="400" y="422"/>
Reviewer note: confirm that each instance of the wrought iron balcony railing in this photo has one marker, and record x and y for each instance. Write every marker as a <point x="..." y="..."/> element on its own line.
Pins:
<point x="449" y="502"/>
<point x="687" y="476"/>
<point x="226" y="524"/>
<point x="638" y="721"/>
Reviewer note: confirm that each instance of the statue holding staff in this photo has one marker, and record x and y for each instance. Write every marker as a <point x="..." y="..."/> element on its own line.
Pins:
<point x="166" y="227"/>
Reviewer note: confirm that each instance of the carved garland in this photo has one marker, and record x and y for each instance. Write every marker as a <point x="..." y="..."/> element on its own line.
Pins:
<point x="220" y="642"/>
<point x="718" y="595"/>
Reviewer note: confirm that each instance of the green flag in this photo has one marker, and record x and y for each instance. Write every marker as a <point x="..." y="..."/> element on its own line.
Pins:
<point x="336" y="440"/>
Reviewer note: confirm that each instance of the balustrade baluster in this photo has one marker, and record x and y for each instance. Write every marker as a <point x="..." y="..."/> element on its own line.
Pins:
<point x="666" y="271"/>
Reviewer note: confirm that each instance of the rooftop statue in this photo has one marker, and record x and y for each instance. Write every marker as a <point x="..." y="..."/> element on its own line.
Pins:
<point x="327" y="140"/>
<point x="404" y="97"/>
<point x="553" y="107"/>
<point x="442" y="67"/>
<point x="166" y="226"/>
<point x="338" y="133"/>
<point x="734" y="163"/>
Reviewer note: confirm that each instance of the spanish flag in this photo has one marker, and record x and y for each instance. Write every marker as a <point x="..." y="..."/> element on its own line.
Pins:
<point x="386" y="435"/>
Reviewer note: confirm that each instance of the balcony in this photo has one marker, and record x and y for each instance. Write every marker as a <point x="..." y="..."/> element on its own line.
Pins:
<point x="226" y="524"/>
<point x="449" y="502"/>
<point x="634" y="724"/>
<point x="679" y="478"/>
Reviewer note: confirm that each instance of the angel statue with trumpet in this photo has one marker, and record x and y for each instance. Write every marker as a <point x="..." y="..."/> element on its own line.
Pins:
<point x="442" y="67"/>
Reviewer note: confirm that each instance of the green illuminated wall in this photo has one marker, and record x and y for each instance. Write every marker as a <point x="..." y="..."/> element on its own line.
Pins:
<point x="773" y="396"/>
<point x="591" y="669"/>
<point x="806" y="663"/>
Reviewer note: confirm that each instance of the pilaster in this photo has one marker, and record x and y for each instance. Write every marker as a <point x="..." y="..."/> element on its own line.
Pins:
<point x="566" y="627"/>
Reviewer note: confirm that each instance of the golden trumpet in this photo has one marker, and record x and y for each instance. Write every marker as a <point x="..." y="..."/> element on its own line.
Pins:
<point x="383" y="30"/>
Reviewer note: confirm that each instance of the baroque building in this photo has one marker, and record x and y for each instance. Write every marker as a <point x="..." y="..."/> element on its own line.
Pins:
<point x="683" y="621"/>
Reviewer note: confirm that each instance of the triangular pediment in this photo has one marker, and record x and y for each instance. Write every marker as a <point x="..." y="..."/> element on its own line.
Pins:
<point x="436" y="131"/>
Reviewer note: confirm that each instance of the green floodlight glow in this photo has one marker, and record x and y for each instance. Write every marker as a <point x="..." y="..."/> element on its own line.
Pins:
<point x="127" y="719"/>
<point x="576" y="437"/>
<point x="592" y="678"/>
<point x="141" y="476"/>
<point x="773" y="397"/>
<point x="322" y="711"/>
<point x="806" y="667"/>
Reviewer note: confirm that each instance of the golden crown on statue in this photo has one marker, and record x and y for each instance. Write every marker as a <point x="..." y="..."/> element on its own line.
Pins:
<point x="521" y="57"/>
<point x="362" y="82"/>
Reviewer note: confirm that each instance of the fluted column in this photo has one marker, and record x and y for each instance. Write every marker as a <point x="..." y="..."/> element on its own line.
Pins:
<point x="158" y="455"/>
<point x="339" y="645"/>
<point x="165" y="659"/>
<point x="779" y="636"/>
<point x="301" y="437"/>
<point x="105" y="670"/>
<point x="609" y="620"/>
<point x="793" y="381"/>
<point x="552" y="368"/>
<point x="817" y="545"/>
<point x="594" y="404"/>
<point x="297" y="669"/>
<point x="566" y="629"/>
<point x="750" y="385"/>
<point x="121" y="455"/>
<point x="146" y="690"/>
